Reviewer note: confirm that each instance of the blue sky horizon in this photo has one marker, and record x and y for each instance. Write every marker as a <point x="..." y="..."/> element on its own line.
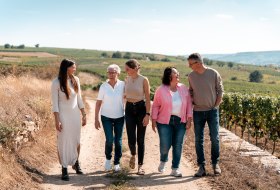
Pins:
<point x="175" y="27"/>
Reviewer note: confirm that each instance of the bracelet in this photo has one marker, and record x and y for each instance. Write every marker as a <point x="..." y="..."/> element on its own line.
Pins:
<point x="148" y="114"/>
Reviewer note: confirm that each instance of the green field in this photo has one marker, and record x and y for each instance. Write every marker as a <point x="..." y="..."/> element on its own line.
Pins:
<point x="92" y="61"/>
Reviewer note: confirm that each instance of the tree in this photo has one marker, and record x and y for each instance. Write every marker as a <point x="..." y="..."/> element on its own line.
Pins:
<point x="127" y="55"/>
<point x="230" y="64"/>
<point x="22" y="46"/>
<point x="104" y="54"/>
<point x="220" y="64"/>
<point x="255" y="76"/>
<point x="152" y="57"/>
<point x="6" y="46"/>
<point x="117" y="55"/>
<point x="37" y="45"/>
<point x="207" y="61"/>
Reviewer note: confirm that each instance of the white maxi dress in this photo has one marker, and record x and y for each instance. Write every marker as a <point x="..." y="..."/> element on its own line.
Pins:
<point x="69" y="114"/>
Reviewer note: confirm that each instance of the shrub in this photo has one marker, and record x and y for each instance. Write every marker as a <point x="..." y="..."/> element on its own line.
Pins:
<point x="117" y="55"/>
<point x="230" y="64"/>
<point x="6" y="46"/>
<point x="220" y="64"/>
<point x="233" y="78"/>
<point x="255" y="76"/>
<point x="207" y="61"/>
<point x="165" y="59"/>
<point x="104" y="54"/>
<point x="127" y="55"/>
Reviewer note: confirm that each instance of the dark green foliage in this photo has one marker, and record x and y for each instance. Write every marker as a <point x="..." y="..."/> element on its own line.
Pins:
<point x="6" y="46"/>
<point x="117" y="55"/>
<point x="233" y="78"/>
<point x="220" y="64"/>
<point x="165" y="59"/>
<point x="255" y="76"/>
<point x="104" y="54"/>
<point x="259" y="115"/>
<point x="230" y="64"/>
<point x="127" y="55"/>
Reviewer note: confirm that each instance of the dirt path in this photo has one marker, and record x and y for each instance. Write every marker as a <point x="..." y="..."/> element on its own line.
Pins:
<point x="92" y="158"/>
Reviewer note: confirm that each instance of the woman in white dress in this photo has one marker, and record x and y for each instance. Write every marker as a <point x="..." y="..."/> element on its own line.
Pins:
<point x="66" y="105"/>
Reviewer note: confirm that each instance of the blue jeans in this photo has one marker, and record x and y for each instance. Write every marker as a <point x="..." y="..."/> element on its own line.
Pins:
<point x="212" y="119"/>
<point x="111" y="126"/>
<point x="171" y="134"/>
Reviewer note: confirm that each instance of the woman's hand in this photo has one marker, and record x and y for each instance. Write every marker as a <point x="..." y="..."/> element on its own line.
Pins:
<point x="189" y="123"/>
<point x="97" y="124"/>
<point x="84" y="120"/>
<point x="58" y="126"/>
<point x="154" y="126"/>
<point x="146" y="120"/>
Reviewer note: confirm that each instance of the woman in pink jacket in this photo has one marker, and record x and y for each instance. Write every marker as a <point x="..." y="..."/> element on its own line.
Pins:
<point x="172" y="116"/>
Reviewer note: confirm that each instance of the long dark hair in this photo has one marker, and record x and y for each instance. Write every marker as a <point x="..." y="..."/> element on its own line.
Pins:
<point x="62" y="77"/>
<point x="166" y="78"/>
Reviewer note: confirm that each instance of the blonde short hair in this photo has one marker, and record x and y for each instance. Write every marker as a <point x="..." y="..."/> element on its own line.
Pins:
<point x="114" y="67"/>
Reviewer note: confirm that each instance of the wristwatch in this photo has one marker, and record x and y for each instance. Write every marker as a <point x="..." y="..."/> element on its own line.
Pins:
<point x="148" y="114"/>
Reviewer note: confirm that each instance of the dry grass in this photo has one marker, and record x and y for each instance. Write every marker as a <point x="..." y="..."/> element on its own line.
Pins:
<point x="23" y="96"/>
<point x="48" y="71"/>
<point x="238" y="172"/>
<point x="19" y="97"/>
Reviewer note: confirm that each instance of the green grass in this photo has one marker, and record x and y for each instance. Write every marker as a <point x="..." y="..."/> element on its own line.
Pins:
<point x="91" y="61"/>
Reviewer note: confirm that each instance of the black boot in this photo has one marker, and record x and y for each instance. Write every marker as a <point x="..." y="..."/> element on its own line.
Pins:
<point x="64" y="175"/>
<point x="77" y="168"/>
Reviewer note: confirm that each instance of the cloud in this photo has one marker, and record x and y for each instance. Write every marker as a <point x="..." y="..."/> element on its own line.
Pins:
<point x="121" y="21"/>
<point x="225" y="16"/>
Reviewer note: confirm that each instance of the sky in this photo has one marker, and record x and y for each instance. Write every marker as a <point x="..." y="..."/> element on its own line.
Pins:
<point x="171" y="27"/>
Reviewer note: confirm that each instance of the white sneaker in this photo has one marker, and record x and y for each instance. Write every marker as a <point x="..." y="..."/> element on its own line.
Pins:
<point x="176" y="173"/>
<point x="108" y="165"/>
<point x="161" y="167"/>
<point x="117" y="168"/>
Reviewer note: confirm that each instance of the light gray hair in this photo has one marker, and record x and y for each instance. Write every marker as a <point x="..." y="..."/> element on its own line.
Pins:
<point x="114" y="67"/>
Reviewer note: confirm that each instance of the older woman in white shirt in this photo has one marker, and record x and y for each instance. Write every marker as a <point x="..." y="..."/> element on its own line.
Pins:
<point x="110" y="101"/>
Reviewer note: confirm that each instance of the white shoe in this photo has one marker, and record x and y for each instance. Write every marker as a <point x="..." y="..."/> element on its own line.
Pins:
<point x="108" y="165"/>
<point x="176" y="173"/>
<point x="161" y="167"/>
<point x="117" y="168"/>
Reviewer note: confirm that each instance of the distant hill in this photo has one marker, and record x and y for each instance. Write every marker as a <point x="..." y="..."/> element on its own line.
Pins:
<point x="255" y="58"/>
